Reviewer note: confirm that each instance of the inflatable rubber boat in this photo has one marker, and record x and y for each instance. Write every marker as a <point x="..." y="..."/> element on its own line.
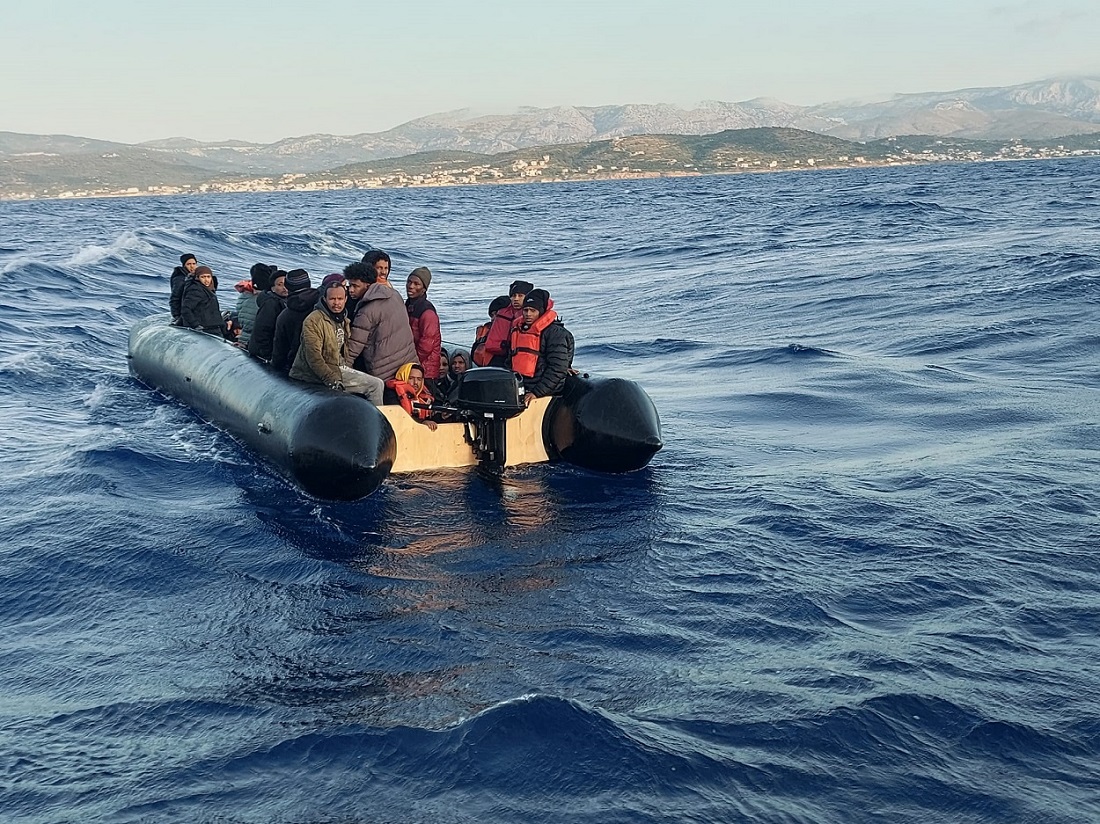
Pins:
<point x="339" y="446"/>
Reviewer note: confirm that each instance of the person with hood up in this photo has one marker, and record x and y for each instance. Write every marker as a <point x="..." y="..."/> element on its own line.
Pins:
<point x="409" y="386"/>
<point x="259" y="281"/>
<point x="500" y="330"/>
<point x="381" y="338"/>
<point x="541" y="347"/>
<point x="424" y="321"/>
<point x="320" y="357"/>
<point x="268" y="306"/>
<point x="199" y="307"/>
<point x="188" y="264"/>
<point x="300" y="300"/>
<point x="460" y="362"/>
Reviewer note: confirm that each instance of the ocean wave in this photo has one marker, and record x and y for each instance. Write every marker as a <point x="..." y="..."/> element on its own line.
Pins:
<point x="857" y="583"/>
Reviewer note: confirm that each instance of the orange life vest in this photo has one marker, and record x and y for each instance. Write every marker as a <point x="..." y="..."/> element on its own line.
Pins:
<point x="407" y="396"/>
<point x="477" y="351"/>
<point x="525" y="344"/>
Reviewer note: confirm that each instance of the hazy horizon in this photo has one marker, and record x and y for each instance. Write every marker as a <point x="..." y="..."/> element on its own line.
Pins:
<point x="135" y="72"/>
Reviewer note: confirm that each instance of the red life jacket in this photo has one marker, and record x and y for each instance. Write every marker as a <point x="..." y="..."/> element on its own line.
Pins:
<point x="501" y="329"/>
<point x="407" y="396"/>
<point x="525" y="344"/>
<point x="478" y="352"/>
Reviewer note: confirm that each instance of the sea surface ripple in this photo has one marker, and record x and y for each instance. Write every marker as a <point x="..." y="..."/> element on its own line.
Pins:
<point x="859" y="584"/>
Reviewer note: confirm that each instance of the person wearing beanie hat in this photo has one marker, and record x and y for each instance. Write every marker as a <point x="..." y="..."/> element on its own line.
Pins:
<point x="300" y="301"/>
<point x="536" y="298"/>
<point x="496" y="344"/>
<point x="423" y="321"/>
<point x="260" y="274"/>
<point x="381" y="338"/>
<point x="335" y="279"/>
<point x="541" y="348"/>
<point x="177" y="281"/>
<point x="297" y="280"/>
<point x="478" y="352"/>
<point x="518" y="291"/>
<point x="269" y="305"/>
<point x="247" y="306"/>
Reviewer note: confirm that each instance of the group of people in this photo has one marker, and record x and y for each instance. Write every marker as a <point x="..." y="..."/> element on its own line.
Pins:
<point x="355" y="333"/>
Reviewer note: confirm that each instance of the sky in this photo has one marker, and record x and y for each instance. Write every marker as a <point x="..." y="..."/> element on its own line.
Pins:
<point x="133" y="71"/>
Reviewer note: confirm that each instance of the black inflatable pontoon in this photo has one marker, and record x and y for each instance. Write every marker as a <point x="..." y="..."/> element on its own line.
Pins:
<point x="341" y="447"/>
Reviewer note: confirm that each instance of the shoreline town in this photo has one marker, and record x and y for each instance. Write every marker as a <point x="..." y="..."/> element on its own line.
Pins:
<point x="539" y="170"/>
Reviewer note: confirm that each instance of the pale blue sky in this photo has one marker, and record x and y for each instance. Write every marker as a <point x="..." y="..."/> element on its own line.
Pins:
<point x="131" y="71"/>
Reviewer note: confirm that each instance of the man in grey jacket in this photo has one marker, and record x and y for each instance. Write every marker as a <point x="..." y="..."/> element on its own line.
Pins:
<point x="381" y="338"/>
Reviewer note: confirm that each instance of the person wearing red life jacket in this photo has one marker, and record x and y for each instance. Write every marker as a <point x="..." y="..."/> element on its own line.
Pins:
<point x="478" y="352"/>
<point x="408" y="384"/>
<point x="541" y="348"/>
<point x="500" y="330"/>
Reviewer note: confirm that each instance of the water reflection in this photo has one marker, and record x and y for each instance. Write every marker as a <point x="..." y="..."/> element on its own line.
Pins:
<point x="420" y="600"/>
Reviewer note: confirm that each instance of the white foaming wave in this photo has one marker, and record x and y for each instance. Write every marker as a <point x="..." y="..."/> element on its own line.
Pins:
<point x="37" y="361"/>
<point x="190" y="439"/>
<point x="103" y="395"/>
<point x="18" y="263"/>
<point x="329" y="246"/>
<point x="128" y="241"/>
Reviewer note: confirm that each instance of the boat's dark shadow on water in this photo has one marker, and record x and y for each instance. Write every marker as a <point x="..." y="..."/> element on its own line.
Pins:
<point x="455" y="510"/>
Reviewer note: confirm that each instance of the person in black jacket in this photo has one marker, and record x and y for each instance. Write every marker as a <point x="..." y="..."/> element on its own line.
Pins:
<point x="187" y="266"/>
<point x="199" y="307"/>
<point x="269" y="305"/>
<point x="541" y="348"/>
<point x="300" y="301"/>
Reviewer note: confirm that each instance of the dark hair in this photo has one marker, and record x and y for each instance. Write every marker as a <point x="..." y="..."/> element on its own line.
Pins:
<point x="375" y="255"/>
<point x="361" y="271"/>
<point x="186" y="256"/>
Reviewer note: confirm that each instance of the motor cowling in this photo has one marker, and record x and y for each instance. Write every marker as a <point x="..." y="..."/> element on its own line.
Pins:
<point x="487" y="390"/>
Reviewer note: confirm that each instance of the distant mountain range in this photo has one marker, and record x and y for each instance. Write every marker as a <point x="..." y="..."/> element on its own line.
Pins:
<point x="1032" y="111"/>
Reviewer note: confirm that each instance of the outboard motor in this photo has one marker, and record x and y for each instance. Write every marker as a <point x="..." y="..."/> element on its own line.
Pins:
<point x="484" y="398"/>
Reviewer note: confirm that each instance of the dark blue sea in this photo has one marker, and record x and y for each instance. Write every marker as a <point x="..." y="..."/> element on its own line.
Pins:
<point x="861" y="582"/>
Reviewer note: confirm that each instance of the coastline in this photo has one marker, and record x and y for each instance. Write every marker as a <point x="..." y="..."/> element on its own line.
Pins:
<point x="268" y="185"/>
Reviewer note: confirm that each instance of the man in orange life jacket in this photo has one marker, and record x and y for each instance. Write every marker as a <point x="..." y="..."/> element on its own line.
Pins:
<point x="541" y="348"/>
<point x="408" y="385"/>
